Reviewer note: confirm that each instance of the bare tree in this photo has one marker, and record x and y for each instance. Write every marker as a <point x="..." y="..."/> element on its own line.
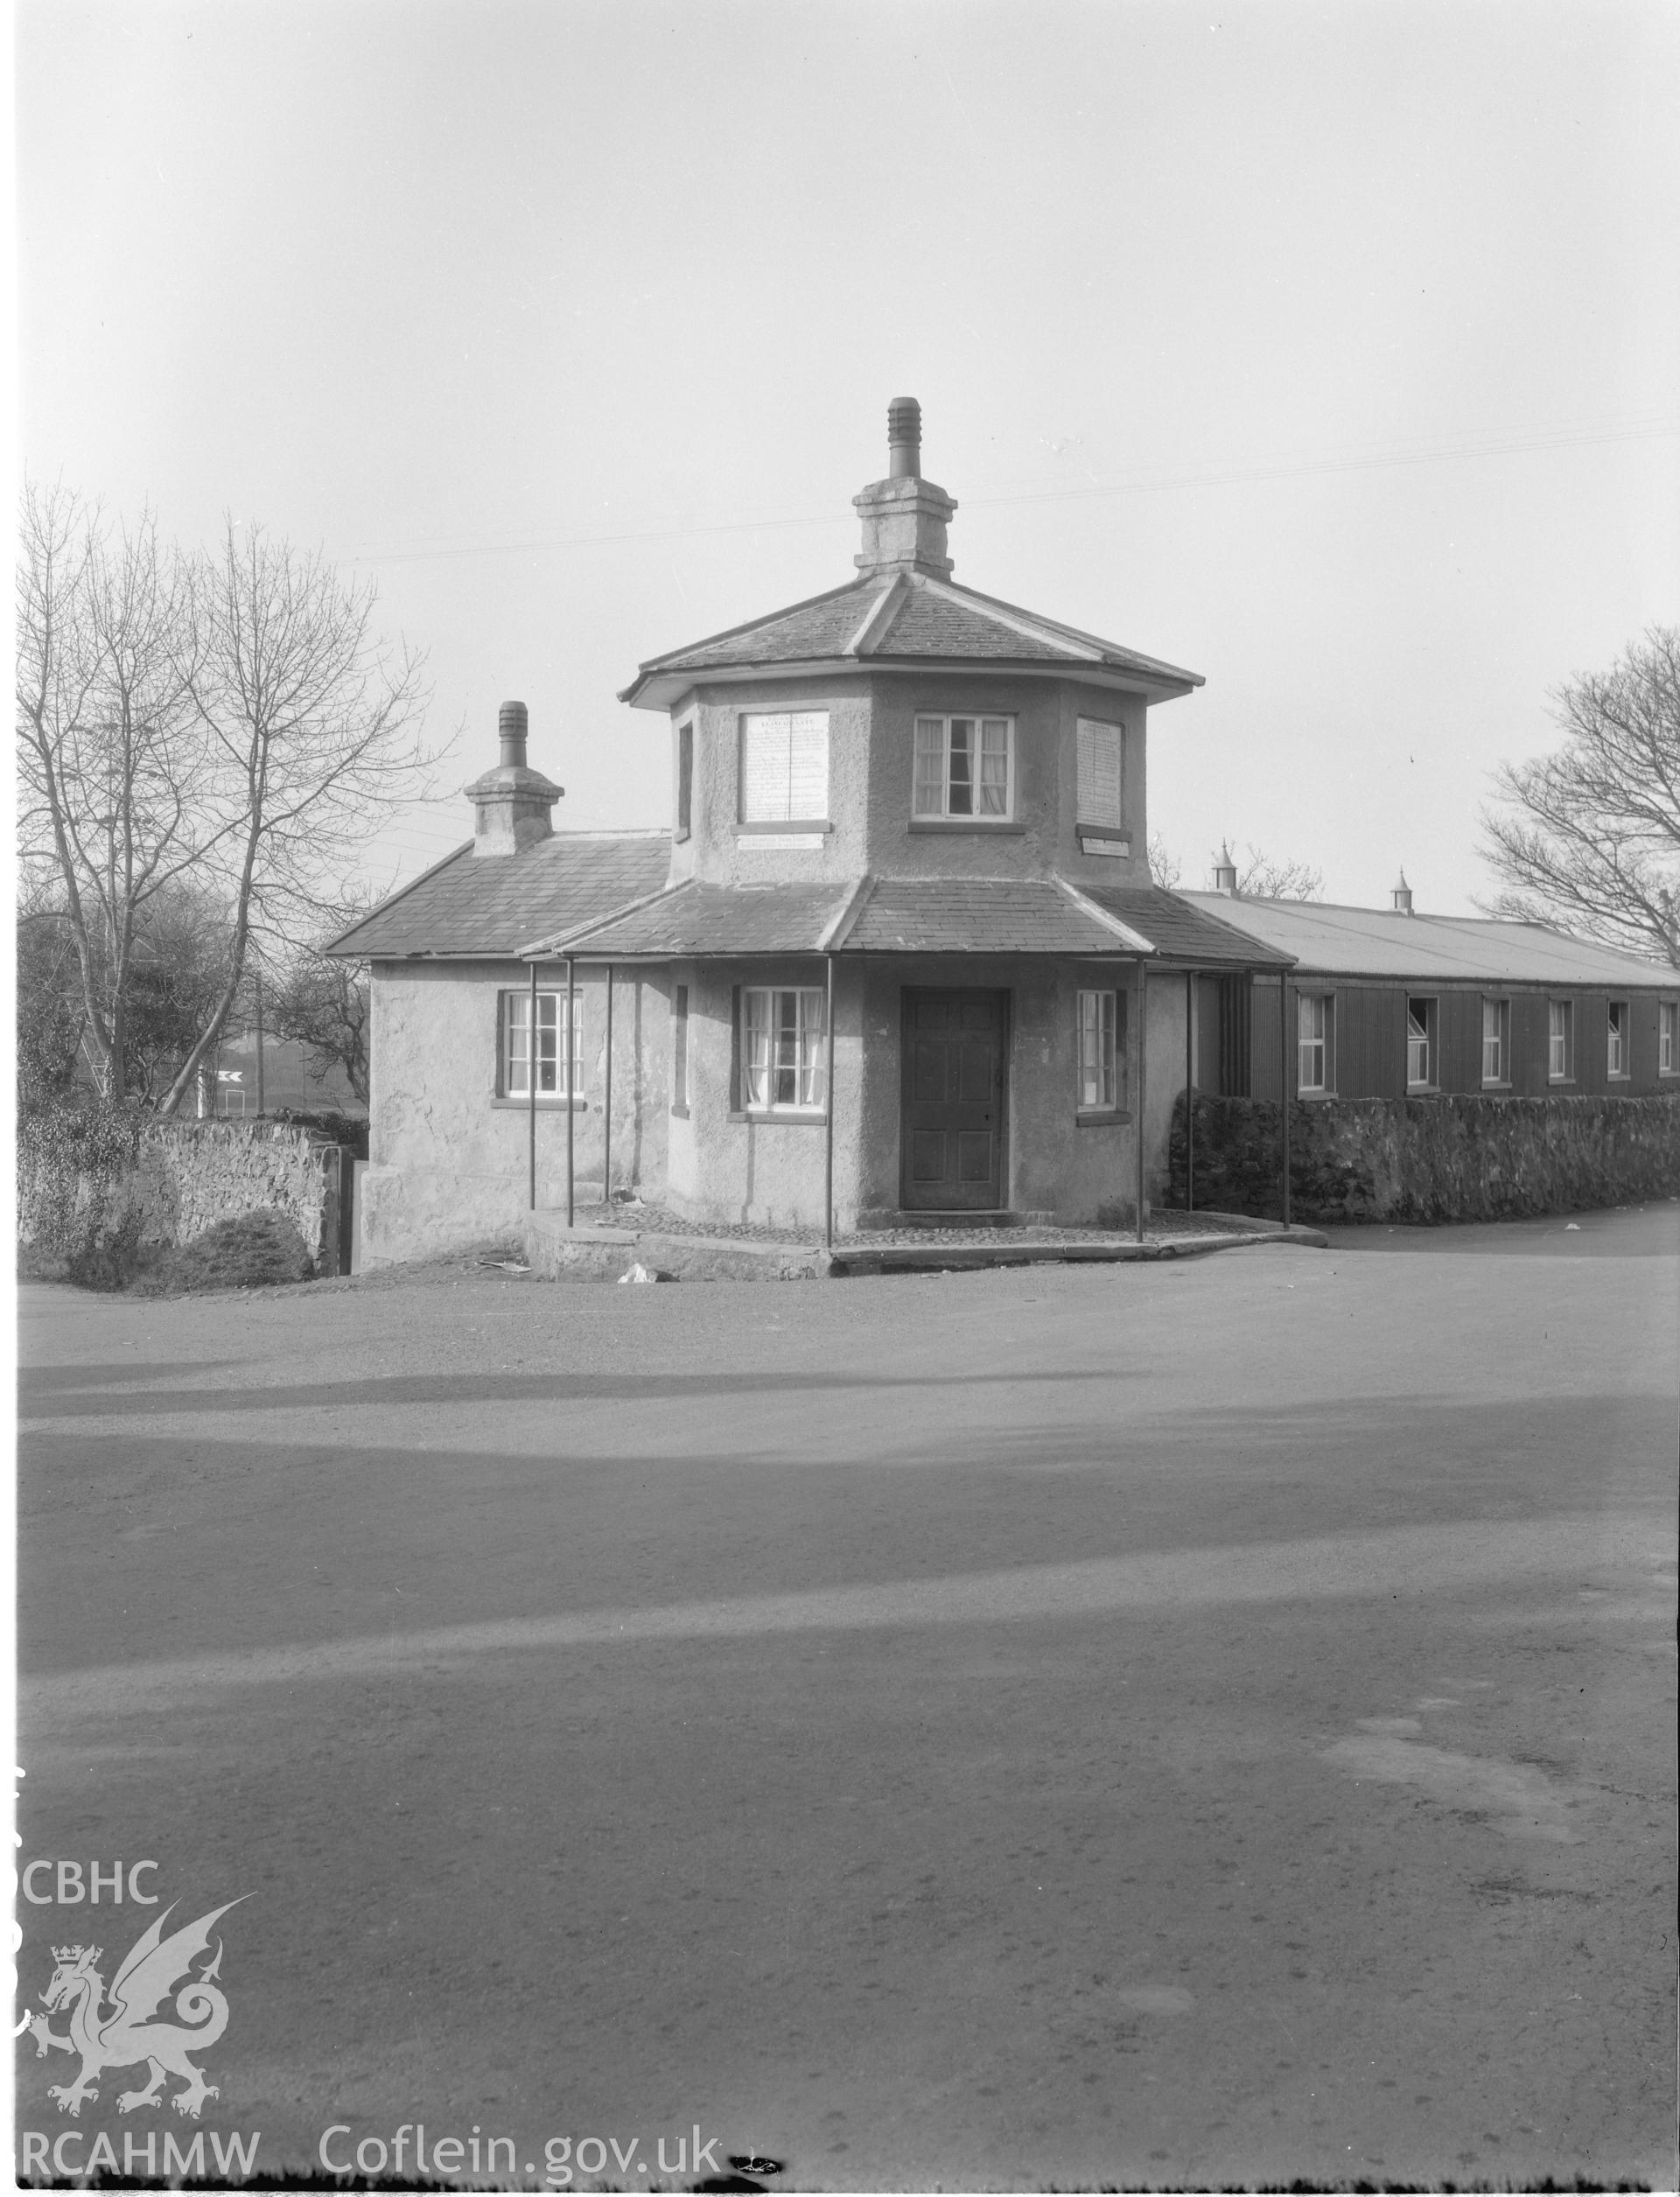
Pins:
<point x="323" y="1003"/>
<point x="235" y="715"/>
<point x="1588" y="838"/>
<point x="314" y="734"/>
<point x="1262" y="876"/>
<point x="1165" y="868"/>
<point x="1259" y="876"/>
<point x="110" y="743"/>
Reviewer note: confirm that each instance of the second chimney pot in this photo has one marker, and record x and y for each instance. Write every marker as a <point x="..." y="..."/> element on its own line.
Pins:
<point x="514" y="725"/>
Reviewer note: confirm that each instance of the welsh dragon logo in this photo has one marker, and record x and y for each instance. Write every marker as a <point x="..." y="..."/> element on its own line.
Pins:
<point x="125" y="2034"/>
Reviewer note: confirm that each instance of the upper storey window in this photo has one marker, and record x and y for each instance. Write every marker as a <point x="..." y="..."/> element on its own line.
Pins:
<point x="1099" y="773"/>
<point x="965" y="766"/>
<point x="785" y="767"/>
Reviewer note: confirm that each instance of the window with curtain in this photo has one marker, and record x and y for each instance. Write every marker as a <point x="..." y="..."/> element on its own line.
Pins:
<point x="1101" y="1045"/>
<point x="1560" y="1040"/>
<point x="1312" y="1046"/>
<point x="783" y="1046"/>
<point x="965" y="767"/>
<point x="1495" y="1040"/>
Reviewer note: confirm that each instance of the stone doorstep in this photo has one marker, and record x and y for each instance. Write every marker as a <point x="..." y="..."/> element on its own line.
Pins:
<point x="558" y="1253"/>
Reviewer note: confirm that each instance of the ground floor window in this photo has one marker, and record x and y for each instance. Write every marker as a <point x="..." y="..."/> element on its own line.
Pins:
<point x="1313" y="1034"/>
<point x="1420" y="1044"/>
<point x="1495" y="1040"/>
<point x="782" y="1047"/>
<point x="1616" y="1048"/>
<point x="1560" y="1040"/>
<point x="1101" y="1048"/>
<point x="550" y="1045"/>
<point x="680" y="1050"/>
<point x="1667" y="1037"/>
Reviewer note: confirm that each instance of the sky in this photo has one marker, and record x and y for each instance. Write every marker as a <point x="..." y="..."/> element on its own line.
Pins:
<point x="1330" y="351"/>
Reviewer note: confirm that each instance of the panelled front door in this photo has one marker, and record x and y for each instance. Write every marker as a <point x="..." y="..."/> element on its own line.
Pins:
<point x="952" y="1131"/>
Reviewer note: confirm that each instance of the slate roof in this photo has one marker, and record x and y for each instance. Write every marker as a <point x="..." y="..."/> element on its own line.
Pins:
<point x="978" y="915"/>
<point x="908" y="915"/>
<point x="900" y="618"/>
<point x="692" y="918"/>
<point x="478" y="906"/>
<point x="1347" y="941"/>
<point x="1182" y="932"/>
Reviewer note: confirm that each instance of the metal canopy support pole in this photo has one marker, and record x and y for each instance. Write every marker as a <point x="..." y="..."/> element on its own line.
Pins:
<point x="530" y="1079"/>
<point x="1284" y="1077"/>
<point x="1189" y="1090"/>
<point x="828" y="1108"/>
<point x="606" y="1100"/>
<point x="572" y="1086"/>
<point x="1137" y="1109"/>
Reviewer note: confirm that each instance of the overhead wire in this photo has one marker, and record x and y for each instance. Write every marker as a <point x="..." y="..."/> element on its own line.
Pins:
<point x="1375" y="458"/>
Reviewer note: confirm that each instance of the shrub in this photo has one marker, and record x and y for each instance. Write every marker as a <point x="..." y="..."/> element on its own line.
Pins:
<point x="253" y="1250"/>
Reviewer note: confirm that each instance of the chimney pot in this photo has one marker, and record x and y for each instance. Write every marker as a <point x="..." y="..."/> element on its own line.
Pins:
<point x="904" y="439"/>
<point x="513" y="725"/>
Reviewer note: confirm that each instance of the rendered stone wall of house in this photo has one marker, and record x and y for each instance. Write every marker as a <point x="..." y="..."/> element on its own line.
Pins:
<point x="769" y="1173"/>
<point x="1431" y="1159"/>
<point x="448" y="1159"/>
<point x="872" y="763"/>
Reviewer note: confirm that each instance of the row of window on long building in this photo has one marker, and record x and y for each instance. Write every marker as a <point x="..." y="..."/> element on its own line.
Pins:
<point x="781" y="1049"/>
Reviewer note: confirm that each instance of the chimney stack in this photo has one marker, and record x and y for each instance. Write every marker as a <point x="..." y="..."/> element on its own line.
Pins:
<point x="514" y="805"/>
<point x="1225" y="871"/>
<point x="904" y="517"/>
<point x="1401" y="897"/>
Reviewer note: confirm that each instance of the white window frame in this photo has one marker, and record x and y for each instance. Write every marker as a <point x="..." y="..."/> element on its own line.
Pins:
<point x="778" y="1056"/>
<point x="1501" y="1040"/>
<point x="1617" y="1034"/>
<point x="1087" y="731"/>
<point x="1321" y="1043"/>
<point x="1421" y="1049"/>
<point x="927" y="743"/>
<point x="513" y="1047"/>
<point x="1667" y="1037"/>
<point x="779" y="813"/>
<point x="1100" y="1054"/>
<point x="1560" y="1040"/>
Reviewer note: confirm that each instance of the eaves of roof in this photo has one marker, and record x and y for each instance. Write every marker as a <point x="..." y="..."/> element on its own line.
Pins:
<point x="906" y="621"/>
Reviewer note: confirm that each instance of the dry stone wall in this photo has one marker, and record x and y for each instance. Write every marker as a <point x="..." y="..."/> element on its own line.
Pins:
<point x="179" y="1178"/>
<point x="1448" y="1158"/>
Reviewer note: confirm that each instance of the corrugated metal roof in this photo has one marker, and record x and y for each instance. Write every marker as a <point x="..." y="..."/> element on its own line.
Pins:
<point x="696" y="918"/>
<point x="1343" y="941"/>
<point x="905" y="617"/>
<point x="1182" y="932"/>
<point x="490" y="905"/>
<point x="975" y="915"/>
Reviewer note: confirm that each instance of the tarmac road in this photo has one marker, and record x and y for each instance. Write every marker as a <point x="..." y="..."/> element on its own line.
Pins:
<point x="1141" y="1725"/>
